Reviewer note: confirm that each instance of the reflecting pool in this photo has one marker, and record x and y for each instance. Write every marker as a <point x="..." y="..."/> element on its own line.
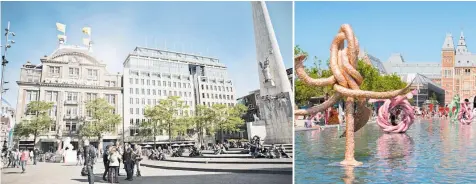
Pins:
<point x="429" y="152"/>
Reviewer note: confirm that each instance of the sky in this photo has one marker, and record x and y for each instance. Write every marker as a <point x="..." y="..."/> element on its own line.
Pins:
<point x="415" y="29"/>
<point x="218" y="29"/>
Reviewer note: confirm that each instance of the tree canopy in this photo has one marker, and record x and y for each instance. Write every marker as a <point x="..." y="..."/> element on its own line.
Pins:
<point x="170" y="114"/>
<point x="37" y="123"/>
<point x="373" y="80"/>
<point x="104" y="119"/>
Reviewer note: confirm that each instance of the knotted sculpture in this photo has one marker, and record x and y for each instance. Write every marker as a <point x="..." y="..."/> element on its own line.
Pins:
<point x="465" y="116"/>
<point x="455" y="103"/>
<point x="345" y="81"/>
<point x="391" y="107"/>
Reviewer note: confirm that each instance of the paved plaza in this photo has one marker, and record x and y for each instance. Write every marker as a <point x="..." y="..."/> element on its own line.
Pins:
<point x="59" y="173"/>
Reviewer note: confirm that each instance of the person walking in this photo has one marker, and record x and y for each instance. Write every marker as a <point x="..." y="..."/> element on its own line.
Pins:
<point x="79" y="156"/>
<point x="31" y="156"/>
<point x="36" y="153"/>
<point x="137" y="158"/>
<point x="105" y="160"/>
<point x="89" y="159"/>
<point x="17" y="158"/>
<point x="113" y="158"/>
<point x="119" y="149"/>
<point x="128" y="162"/>
<point x="23" y="159"/>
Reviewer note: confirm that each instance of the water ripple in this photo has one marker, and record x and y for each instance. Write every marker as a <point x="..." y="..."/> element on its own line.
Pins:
<point x="430" y="152"/>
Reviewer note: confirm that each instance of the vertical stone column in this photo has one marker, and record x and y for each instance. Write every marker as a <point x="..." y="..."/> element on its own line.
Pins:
<point x="276" y="97"/>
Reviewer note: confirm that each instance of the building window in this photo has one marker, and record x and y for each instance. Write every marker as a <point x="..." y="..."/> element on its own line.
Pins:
<point x="143" y="91"/>
<point x="153" y="82"/>
<point x="131" y="81"/>
<point x="131" y="101"/>
<point x="148" y="102"/>
<point x="202" y="86"/>
<point x="143" y="101"/>
<point x="148" y="91"/>
<point x="137" y="100"/>
<point x="111" y="98"/>
<point x="170" y="84"/>
<point x="51" y="96"/>
<point x="142" y="81"/>
<point x="74" y="72"/>
<point x="131" y="90"/>
<point x="131" y="122"/>
<point x="54" y="70"/>
<point x="137" y="91"/>
<point x="91" y="96"/>
<point x="137" y="110"/>
<point x="137" y="81"/>
<point x="180" y="85"/>
<point x="92" y="74"/>
<point x="72" y="96"/>
<point x="467" y="71"/>
<point x="153" y="92"/>
<point x="175" y="84"/>
<point x="165" y="83"/>
<point x="148" y="82"/>
<point x="132" y="110"/>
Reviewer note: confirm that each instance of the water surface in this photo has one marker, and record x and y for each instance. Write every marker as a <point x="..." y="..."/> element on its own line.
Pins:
<point x="429" y="152"/>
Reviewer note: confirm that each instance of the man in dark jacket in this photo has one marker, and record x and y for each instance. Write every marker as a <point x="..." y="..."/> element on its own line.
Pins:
<point x="89" y="159"/>
<point x="105" y="160"/>
<point x="128" y="162"/>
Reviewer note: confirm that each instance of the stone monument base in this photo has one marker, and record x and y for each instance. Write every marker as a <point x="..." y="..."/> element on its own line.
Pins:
<point x="69" y="156"/>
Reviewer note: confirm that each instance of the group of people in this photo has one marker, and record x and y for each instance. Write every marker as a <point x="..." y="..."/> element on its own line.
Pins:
<point x="19" y="158"/>
<point x="129" y="155"/>
<point x="257" y="150"/>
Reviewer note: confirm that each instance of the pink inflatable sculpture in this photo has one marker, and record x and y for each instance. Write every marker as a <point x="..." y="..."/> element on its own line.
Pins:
<point x="408" y="114"/>
<point x="465" y="115"/>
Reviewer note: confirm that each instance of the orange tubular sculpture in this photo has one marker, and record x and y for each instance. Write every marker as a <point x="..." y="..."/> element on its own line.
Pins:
<point x="346" y="81"/>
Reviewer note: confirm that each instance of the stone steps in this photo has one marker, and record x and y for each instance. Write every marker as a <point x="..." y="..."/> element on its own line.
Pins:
<point x="229" y="160"/>
<point x="234" y="168"/>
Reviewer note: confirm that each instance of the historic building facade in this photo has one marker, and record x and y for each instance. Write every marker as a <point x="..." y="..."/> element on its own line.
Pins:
<point x="70" y="77"/>
<point x="151" y="75"/>
<point x="458" y="69"/>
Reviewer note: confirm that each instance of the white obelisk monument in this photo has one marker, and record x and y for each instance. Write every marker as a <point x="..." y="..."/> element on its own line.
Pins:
<point x="276" y="97"/>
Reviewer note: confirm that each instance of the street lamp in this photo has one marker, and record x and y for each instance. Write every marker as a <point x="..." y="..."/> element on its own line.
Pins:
<point x="8" y="44"/>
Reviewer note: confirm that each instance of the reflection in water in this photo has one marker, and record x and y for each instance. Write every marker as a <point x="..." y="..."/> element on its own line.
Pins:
<point x="392" y="147"/>
<point x="440" y="152"/>
<point x="349" y="176"/>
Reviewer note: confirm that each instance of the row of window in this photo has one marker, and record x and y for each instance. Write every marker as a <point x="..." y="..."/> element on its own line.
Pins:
<point x="159" y="83"/>
<point x="217" y="88"/>
<point x="153" y="101"/>
<point x="210" y="104"/>
<point x="217" y="96"/>
<point x="141" y="111"/>
<point x="73" y="72"/>
<point x="158" y="75"/>
<point x="160" y="92"/>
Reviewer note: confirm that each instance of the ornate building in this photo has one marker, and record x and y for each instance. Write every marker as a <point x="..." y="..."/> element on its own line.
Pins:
<point x="458" y="69"/>
<point x="69" y="78"/>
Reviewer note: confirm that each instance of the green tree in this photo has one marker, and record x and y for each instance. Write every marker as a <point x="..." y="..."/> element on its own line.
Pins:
<point x="373" y="81"/>
<point x="203" y="121"/>
<point x="433" y="99"/>
<point x="168" y="115"/>
<point x="38" y="123"/>
<point x="228" y="118"/>
<point x="104" y="120"/>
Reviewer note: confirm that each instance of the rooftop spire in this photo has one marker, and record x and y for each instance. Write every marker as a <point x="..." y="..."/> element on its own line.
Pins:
<point x="448" y="44"/>
<point x="461" y="48"/>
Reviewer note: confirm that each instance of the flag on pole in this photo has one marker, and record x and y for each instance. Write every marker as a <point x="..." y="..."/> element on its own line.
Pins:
<point x="86" y="41"/>
<point x="61" y="27"/>
<point x="87" y="30"/>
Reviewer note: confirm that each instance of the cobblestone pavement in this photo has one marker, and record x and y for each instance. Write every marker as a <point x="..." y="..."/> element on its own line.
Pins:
<point x="59" y="173"/>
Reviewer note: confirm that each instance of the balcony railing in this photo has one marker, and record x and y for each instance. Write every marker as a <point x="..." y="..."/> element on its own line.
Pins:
<point x="71" y="102"/>
<point x="71" y="116"/>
